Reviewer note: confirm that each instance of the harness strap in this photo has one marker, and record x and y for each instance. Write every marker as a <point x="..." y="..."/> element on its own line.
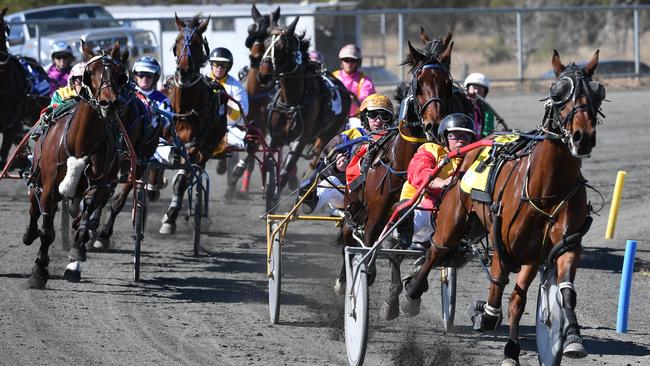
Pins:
<point x="417" y="140"/>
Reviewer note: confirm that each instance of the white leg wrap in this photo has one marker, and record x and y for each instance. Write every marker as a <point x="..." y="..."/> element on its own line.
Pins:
<point x="562" y="285"/>
<point x="489" y="310"/>
<point x="75" y="168"/>
<point x="74" y="266"/>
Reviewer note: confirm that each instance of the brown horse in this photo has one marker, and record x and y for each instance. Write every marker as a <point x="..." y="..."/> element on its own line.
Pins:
<point x="80" y="147"/>
<point x="144" y="138"/>
<point x="259" y="94"/>
<point x="299" y="112"/>
<point x="199" y="112"/>
<point x="17" y="106"/>
<point x="539" y="210"/>
<point x="428" y="98"/>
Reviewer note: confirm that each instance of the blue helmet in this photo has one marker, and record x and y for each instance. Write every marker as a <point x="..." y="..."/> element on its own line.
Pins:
<point x="61" y="47"/>
<point x="147" y="64"/>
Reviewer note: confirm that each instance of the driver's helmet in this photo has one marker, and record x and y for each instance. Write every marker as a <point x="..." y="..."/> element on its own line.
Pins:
<point x="375" y="102"/>
<point x="147" y="64"/>
<point x="350" y="51"/>
<point x="61" y="48"/>
<point x="222" y="54"/>
<point x="477" y="78"/>
<point x="455" y="122"/>
<point x="76" y="71"/>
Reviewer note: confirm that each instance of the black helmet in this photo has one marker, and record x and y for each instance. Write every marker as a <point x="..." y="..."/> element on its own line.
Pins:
<point x="455" y="122"/>
<point x="221" y="54"/>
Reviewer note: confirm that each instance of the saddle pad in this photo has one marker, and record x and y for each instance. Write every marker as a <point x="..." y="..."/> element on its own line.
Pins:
<point x="475" y="180"/>
<point x="335" y="96"/>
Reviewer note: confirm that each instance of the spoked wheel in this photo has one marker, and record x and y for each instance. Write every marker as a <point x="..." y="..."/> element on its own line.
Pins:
<point x="275" y="277"/>
<point x="356" y="311"/>
<point x="138" y="230"/>
<point x="549" y="321"/>
<point x="197" y="213"/>
<point x="270" y="185"/>
<point x="448" y="296"/>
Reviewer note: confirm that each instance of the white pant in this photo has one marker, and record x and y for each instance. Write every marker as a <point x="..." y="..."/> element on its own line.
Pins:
<point x="235" y="137"/>
<point x="327" y="195"/>
<point x="422" y="228"/>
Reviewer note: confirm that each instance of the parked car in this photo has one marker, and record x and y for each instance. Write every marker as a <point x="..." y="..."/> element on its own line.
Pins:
<point x="611" y="68"/>
<point x="34" y="31"/>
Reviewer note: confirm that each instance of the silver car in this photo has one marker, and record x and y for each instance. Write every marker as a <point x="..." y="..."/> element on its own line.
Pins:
<point x="34" y="31"/>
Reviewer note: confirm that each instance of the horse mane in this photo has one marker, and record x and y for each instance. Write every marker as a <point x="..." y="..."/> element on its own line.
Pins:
<point x="401" y="91"/>
<point x="430" y="51"/>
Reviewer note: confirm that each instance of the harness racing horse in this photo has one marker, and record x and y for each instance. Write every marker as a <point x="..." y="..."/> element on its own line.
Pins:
<point x="77" y="158"/>
<point x="428" y="98"/>
<point x="144" y="138"/>
<point x="16" y="103"/>
<point x="199" y="113"/>
<point x="259" y="94"/>
<point x="300" y="110"/>
<point x="539" y="211"/>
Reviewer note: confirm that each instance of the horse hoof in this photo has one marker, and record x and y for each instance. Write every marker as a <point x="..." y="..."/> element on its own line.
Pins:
<point x="509" y="362"/>
<point x="167" y="229"/>
<point x="409" y="307"/>
<point x="573" y="347"/>
<point x="339" y="287"/>
<point x="72" y="276"/>
<point x="30" y="236"/>
<point x="101" y="243"/>
<point x="38" y="278"/>
<point x="390" y="310"/>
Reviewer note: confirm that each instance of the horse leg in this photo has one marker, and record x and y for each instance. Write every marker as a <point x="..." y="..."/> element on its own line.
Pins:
<point x="169" y="220"/>
<point x="245" y="182"/>
<point x="295" y="149"/>
<point x="155" y="182"/>
<point x="40" y="274"/>
<point x="390" y="307"/>
<point x="488" y="315"/>
<point x="345" y="238"/>
<point x="104" y="238"/>
<point x="567" y="264"/>
<point x="516" y="307"/>
<point x="32" y="232"/>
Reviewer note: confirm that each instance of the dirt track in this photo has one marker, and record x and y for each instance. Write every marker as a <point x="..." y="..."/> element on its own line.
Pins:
<point x="213" y="309"/>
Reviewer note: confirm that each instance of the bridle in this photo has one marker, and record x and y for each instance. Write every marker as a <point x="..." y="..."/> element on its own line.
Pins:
<point x="418" y="108"/>
<point x="106" y="81"/>
<point x="269" y="54"/>
<point x="186" y="51"/>
<point x="569" y="86"/>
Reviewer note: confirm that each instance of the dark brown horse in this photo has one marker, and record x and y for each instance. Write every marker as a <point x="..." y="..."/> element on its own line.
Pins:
<point x="199" y="112"/>
<point x="428" y="98"/>
<point x="259" y="94"/>
<point x="82" y="148"/>
<point x="137" y="119"/>
<point x="539" y="210"/>
<point x="17" y="106"/>
<point x="300" y="111"/>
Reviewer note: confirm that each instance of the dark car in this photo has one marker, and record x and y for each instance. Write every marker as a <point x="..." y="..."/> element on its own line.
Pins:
<point x="611" y="68"/>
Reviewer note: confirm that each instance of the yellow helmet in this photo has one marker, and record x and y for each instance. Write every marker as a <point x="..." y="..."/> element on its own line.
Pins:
<point x="376" y="101"/>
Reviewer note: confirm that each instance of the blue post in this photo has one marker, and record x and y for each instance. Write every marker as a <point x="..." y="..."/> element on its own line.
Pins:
<point x="626" y="284"/>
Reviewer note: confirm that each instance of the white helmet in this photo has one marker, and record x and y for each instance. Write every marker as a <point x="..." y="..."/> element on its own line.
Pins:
<point x="350" y="51"/>
<point x="77" y="70"/>
<point x="477" y="78"/>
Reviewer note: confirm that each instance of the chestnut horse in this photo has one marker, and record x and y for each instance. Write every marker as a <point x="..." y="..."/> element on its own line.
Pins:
<point x="82" y="148"/>
<point x="199" y="112"/>
<point x="300" y="111"/>
<point x="428" y="98"/>
<point x="17" y="106"/>
<point x="539" y="210"/>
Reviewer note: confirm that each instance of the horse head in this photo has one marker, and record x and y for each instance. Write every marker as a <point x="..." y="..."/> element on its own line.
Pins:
<point x="105" y="77"/>
<point x="260" y="30"/>
<point x="576" y="100"/>
<point x="285" y="51"/>
<point x="431" y="85"/>
<point x="190" y="49"/>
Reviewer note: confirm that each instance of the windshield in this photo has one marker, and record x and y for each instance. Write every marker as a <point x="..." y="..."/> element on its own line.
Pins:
<point x="89" y="17"/>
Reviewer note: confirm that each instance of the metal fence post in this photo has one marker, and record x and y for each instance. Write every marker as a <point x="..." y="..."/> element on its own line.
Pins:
<point x="38" y="40"/>
<point x="160" y="49"/>
<point x="637" y="51"/>
<point x="400" y="40"/>
<point x="358" y="32"/>
<point x="520" y="47"/>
